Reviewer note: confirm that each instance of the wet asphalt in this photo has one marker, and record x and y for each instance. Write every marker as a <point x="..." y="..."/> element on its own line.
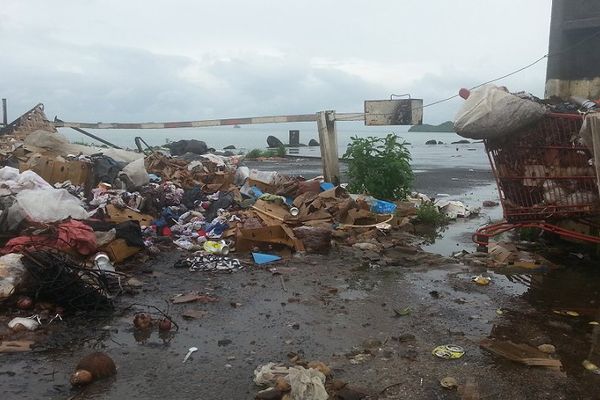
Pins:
<point x="328" y="308"/>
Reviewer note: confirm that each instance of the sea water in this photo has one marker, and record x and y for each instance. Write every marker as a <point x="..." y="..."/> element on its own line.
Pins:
<point x="249" y="137"/>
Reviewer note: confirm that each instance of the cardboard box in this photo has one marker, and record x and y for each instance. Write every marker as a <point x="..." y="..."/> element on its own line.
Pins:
<point x="58" y="170"/>
<point x="118" y="250"/>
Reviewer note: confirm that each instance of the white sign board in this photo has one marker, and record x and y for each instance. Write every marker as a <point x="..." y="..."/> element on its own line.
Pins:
<point x="394" y="112"/>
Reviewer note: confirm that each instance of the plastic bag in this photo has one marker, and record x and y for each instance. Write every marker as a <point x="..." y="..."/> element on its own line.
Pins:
<point x="50" y="205"/>
<point x="491" y="112"/>
<point x="267" y="374"/>
<point x="307" y="384"/>
<point x="12" y="272"/>
<point x="135" y="174"/>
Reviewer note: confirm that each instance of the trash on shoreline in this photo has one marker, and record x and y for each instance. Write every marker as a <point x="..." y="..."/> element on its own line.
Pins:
<point x="521" y="353"/>
<point x="93" y="367"/>
<point x="448" y="352"/>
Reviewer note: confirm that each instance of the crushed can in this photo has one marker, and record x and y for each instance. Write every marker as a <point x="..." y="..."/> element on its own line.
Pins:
<point x="213" y="247"/>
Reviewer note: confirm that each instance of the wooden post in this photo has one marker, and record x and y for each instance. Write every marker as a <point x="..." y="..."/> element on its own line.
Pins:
<point x="4" y="114"/>
<point x="328" y="143"/>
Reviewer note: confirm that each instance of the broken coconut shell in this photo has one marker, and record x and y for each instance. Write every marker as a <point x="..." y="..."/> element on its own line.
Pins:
<point x="547" y="348"/>
<point x="92" y="367"/>
<point x="449" y="383"/>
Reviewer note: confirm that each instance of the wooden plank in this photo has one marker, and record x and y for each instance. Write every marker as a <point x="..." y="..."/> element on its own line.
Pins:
<point x="328" y="143"/>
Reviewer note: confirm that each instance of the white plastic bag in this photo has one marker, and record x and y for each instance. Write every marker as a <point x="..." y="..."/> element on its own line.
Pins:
<point x="136" y="175"/>
<point x="491" y="112"/>
<point x="12" y="272"/>
<point x="50" y="205"/>
<point x="307" y="384"/>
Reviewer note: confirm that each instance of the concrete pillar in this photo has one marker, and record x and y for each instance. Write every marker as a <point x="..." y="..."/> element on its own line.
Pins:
<point x="574" y="49"/>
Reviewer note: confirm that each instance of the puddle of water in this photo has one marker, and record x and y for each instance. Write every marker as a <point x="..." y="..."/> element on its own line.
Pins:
<point x="456" y="236"/>
<point x="353" y="294"/>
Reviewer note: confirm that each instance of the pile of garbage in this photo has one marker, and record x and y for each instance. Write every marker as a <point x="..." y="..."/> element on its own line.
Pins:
<point x="77" y="212"/>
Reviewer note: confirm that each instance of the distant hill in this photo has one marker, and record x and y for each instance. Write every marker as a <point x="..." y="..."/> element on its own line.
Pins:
<point x="447" y="126"/>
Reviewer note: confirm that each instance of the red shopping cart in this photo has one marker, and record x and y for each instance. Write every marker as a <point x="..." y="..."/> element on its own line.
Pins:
<point x="545" y="177"/>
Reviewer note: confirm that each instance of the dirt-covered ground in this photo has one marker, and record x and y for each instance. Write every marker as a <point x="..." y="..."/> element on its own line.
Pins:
<point x="343" y="309"/>
<point x="329" y="308"/>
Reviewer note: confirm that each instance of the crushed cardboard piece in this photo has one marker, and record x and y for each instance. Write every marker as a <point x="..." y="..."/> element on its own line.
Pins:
<point x="193" y="297"/>
<point x="15" y="346"/>
<point x="118" y="250"/>
<point x="118" y="215"/>
<point x="521" y="353"/>
<point x="57" y="169"/>
<point x="276" y="234"/>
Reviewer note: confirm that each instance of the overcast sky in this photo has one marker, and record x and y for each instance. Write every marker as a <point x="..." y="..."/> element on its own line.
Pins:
<point x="126" y="61"/>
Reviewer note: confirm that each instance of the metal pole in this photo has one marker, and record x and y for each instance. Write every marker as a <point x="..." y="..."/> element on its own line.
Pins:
<point x="106" y="142"/>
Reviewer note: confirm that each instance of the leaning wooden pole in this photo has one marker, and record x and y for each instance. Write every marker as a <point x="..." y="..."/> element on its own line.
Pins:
<point x="328" y="143"/>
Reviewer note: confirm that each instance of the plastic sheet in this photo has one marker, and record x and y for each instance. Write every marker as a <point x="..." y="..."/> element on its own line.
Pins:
<point x="307" y="384"/>
<point x="50" y="205"/>
<point x="491" y="112"/>
<point x="135" y="174"/>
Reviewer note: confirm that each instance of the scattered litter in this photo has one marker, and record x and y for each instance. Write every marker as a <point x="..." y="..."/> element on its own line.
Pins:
<point x="590" y="366"/>
<point x="189" y="353"/>
<point x="567" y="313"/>
<point x="521" y="353"/>
<point x="15" y="346"/>
<point x="193" y="297"/>
<point x="210" y="263"/>
<point x="263" y="258"/>
<point x="547" y="348"/>
<point x="481" y="280"/>
<point x="19" y="323"/>
<point x="448" y="352"/>
<point x="360" y="358"/>
<point x="401" y="312"/>
<point x="449" y="383"/>
<point x="307" y="384"/>
<point x="93" y="367"/>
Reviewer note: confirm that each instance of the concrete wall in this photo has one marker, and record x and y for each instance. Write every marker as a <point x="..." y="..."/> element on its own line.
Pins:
<point x="574" y="62"/>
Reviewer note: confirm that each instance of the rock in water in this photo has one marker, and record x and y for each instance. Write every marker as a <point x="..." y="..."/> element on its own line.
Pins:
<point x="181" y="147"/>
<point x="93" y="367"/>
<point x="432" y="141"/>
<point x="272" y="141"/>
<point x="313" y="142"/>
<point x="230" y="147"/>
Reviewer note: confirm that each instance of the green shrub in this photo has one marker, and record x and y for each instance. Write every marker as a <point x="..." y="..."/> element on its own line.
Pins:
<point x="254" y="154"/>
<point x="257" y="153"/>
<point x="428" y="214"/>
<point x="280" y="152"/>
<point x="379" y="167"/>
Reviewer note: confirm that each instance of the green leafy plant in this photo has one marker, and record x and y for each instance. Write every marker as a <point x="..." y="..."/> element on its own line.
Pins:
<point x="379" y="167"/>
<point x="254" y="154"/>
<point x="428" y="214"/>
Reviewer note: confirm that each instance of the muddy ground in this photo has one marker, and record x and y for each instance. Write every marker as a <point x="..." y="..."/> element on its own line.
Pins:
<point x="329" y="308"/>
<point x="332" y="308"/>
